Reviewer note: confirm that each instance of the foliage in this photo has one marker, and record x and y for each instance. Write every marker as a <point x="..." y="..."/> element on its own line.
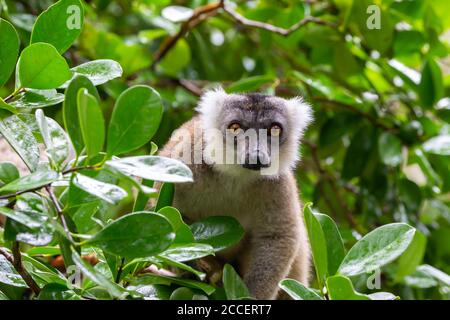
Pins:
<point x="99" y="85"/>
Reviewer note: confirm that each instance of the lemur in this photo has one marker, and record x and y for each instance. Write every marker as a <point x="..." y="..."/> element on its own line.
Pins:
<point x="251" y="180"/>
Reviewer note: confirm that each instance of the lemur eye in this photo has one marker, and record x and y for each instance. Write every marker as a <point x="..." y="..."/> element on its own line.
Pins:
<point x="275" y="130"/>
<point x="235" y="128"/>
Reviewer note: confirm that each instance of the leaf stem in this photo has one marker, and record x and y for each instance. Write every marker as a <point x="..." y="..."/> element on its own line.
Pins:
<point x="14" y="94"/>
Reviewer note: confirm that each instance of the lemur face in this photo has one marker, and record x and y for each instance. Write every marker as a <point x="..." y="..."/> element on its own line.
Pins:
<point x="256" y="127"/>
<point x="259" y="132"/>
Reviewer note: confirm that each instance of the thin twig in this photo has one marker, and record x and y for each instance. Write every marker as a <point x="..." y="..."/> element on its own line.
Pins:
<point x="59" y="211"/>
<point x="16" y="261"/>
<point x="269" y="27"/>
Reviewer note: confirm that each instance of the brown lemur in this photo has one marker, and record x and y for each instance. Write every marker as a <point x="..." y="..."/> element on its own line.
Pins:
<point x="249" y="177"/>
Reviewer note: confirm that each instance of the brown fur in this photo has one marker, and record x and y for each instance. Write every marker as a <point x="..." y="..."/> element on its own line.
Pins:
<point x="275" y="244"/>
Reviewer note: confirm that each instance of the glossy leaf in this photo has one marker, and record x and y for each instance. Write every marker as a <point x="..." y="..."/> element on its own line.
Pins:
<point x="21" y="139"/>
<point x="298" y="291"/>
<point x="55" y="139"/>
<point x="341" y="288"/>
<point x="32" y="181"/>
<point x="220" y="232"/>
<point x="31" y="224"/>
<point x="33" y="99"/>
<point x="335" y="245"/>
<point x="187" y="252"/>
<point x="153" y="168"/>
<point x="8" y="275"/>
<point x="42" y="67"/>
<point x="135" y="119"/>
<point x="318" y="243"/>
<point x="92" y="123"/>
<point x="235" y="288"/>
<point x="182" y="230"/>
<point x="70" y="109"/>
<point x="105" y="191"/>
<point x="97" y="71"/>
<point x="9" y="50"/>
<point x="135" y="235"/>
<point x="59" y="25"/>
<point x="377" y="248"/>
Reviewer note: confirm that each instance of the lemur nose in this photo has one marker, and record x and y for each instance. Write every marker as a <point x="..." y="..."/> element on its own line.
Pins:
<point x="256" y="160"/>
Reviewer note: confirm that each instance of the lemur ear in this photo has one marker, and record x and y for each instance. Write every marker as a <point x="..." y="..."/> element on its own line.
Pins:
<point x="211" y="100"/>
<point x="301" y="114"/>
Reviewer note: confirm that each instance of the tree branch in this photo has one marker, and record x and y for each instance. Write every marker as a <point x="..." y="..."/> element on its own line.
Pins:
<point x="202" y="13"/>
<point x="193" y="21"/>
<point x="269" y="27"/>
<point x="16" y="261"/>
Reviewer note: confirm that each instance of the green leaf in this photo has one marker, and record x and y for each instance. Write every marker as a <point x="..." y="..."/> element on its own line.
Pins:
<point x="59" y="25"/>
<point x="177" y="58"/>
<point x="390" y="149"/>
<point x="166" y="195"/>
<point x="318" y="243"/>
<point x="439" y="145"/>
<point x="135" y="235"/>
<point x="187" y="252"/>
<point x="182" y="293"/>
<point x="298" y="291"/>
<point x="8" y="275"/>
<point x="182" y="230"/>
<point x="9" y="50"/>
<point x="33" y="99"/>
<point x="105" y="191"/>
<point x="55" y="139"/>
<point x="235" y="288"/>
<point x="31" y="223"/>
<point x="153" y="168"/>
<point x="377" y="248"/>
<point x="70" y="109"/>
<point x="218" y="231"/>
<point x="156" y="279"/>
<point x="135" y="119"/>
<point x="21" y="139"/>
<point x="55" y="291"/>
<point x="8" y="172"/>
<point x="92" y="123"/>
<point x="7" y="107"/>
<point x="412" y="257"/>
<point x="341" y="288"/>
<point x="42" y="67"/>
<point x="431" y="87"/>
<point x="249" y="84"/>
<point x="95" y="276"/>
<point x="200" y="275"/>
<point x="32" y="181"/>
<point x="335" y="245"/>
<point x="97" y="71"/>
